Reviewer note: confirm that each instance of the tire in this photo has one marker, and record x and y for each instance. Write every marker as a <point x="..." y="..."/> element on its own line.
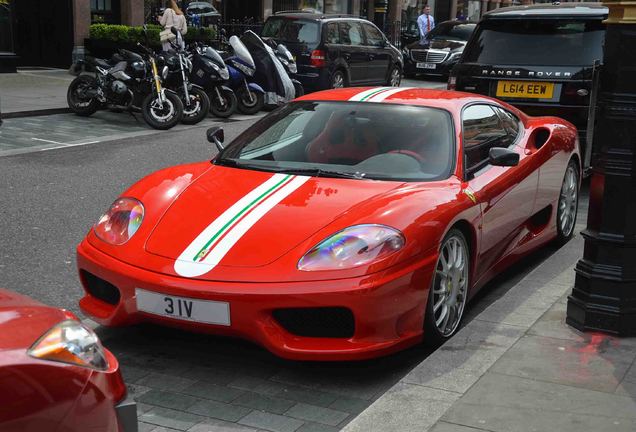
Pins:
<point x="568" y="204"/>
<point x="449" y="289"/>
<point x="166" y="118"/>
<point x="248" y="105"/>
<point x="394" y="77"/>
<point x="199" y="109"/>
<point x="338" y="79"/>
<point x="81" y="83"/>
<point x="226" y="110"/>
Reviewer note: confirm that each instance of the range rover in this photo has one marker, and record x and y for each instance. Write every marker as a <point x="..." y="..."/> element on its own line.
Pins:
<point x="544" y="59"/>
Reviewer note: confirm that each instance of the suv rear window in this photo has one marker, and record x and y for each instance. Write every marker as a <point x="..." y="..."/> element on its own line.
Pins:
<point x="537" y="42"/>
<point x="292" y="30"/>
<point x="452" y="31"/>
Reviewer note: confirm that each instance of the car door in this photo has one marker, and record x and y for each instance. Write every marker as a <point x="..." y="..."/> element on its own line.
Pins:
<point x="353" y="50"/>
<point x="377" y="52"/>
<point x="506" y="194"/>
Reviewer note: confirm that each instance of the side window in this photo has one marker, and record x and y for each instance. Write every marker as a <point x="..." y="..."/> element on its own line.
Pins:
<point x="333" y="35"/>
<point x="374" y="36"/>
<point x="351" y="33"/>
<point x="510" y="124"/>
<point x="482" y="129"/>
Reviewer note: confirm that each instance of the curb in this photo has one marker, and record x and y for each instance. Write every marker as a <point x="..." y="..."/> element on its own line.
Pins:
<point x="35" y="113"/>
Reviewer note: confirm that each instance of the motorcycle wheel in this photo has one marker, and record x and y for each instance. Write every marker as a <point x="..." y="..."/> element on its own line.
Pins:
<point x="299" y="90"/>
<point x="82" y="106"/>
<point x="162" y="118"/>
<point x="229" y="103"/>
<point x="247" y="106"/>
<point x="199" y="106"/>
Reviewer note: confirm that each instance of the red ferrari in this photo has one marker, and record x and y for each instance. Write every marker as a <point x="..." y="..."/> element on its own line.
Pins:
<point x="55" y="375"/>
<point x="345" y="225"/>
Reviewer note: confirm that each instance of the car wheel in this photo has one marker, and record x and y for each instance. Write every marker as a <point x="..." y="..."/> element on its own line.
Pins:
<point x="338" y="80"/>
<point x="568" y="203"/>
<point x="449" y="289"/>
<point x="395" y="77"/>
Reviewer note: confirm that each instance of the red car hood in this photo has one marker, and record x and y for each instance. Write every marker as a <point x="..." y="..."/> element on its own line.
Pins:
<point x="23" y="320"/>
<point x="243" y="218"/>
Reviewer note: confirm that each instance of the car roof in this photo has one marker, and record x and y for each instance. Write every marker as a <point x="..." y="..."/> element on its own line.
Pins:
<point x="575" y="10"/>
<point x="417" y="96"/>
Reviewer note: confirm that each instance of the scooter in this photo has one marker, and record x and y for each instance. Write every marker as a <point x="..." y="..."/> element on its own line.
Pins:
<point x="210" y="72"/>
<point x="241" y="66"/>
<point x="289" y="63"/>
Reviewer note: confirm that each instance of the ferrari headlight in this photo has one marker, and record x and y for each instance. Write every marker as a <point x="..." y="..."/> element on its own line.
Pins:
<point x="120" y="222"/>
<point x="71" y="342"/>
<point x="354" y="246"/>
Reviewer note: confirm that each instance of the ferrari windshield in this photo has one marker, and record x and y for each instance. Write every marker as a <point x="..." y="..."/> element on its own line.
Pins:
<point x="358" y="140"/>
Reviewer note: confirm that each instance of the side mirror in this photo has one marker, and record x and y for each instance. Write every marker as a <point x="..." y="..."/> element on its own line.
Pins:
<point x="499" y="156"/>
<point x="216" y="136"/>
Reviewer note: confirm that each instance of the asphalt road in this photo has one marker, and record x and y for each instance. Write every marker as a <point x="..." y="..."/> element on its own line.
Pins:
<point x="50" y="199"/>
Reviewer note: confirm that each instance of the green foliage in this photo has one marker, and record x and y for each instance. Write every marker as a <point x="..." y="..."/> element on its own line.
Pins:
<point x="132" y="35"/>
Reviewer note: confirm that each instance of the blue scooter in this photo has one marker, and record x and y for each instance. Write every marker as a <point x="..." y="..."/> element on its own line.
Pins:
<point x="251" y="96"/>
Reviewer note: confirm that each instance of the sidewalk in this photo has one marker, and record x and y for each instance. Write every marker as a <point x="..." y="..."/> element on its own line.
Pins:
<point x="518" y="367"/>
<point x="30" y="91"/>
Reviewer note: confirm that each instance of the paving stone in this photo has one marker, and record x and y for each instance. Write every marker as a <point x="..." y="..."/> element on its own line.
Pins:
<point x="219" y="376"/>
<point x="165" y="382"/>
<point x="136" y="390"/>
<point x="264" y="403"/>
<point x="167" y="399"/>
<point x="145" y="427"/>
<point x="171" y="418"/>
<point x="502" y="403"/>
<point x="627" y="388"/>
<point x="316" y="427"/>
<point x="219" y="410"/>
<point x="143" y="408"/>
<point x="132" y="373"/>
<point x="213" y="391"/>
<point x="308" y="396"/>
<point x="316" y="414"/>
<point x="271" y="422"/>
<point x="350" y="405"/>
<point x="213" y="425"/>
<point x="598" y="363"/>
<point x="405" y="407"/>
<point x="460" y="362"/>
<point x="442" y="426"/>
<point x="258" y="385"/>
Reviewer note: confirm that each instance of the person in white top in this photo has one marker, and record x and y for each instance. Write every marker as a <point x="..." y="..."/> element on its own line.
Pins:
<point x="173" y="17"/>
<point x="426" y="23"/>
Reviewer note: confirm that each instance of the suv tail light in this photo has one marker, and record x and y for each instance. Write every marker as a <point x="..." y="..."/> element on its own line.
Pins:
<point x="318" y="58"/>
<point x="452" y="83"/>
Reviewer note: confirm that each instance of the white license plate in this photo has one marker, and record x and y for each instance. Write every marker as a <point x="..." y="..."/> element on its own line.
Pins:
<point x="426" y="65"/>
<point x="183" y="308"/>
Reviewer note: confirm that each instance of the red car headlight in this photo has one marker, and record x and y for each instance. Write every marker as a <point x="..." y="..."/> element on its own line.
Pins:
<point x="354" y="246"/>
<point x="121" y="221"/>
<point x="71" y="342"/>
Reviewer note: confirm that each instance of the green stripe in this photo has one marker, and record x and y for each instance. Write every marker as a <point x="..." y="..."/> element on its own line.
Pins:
<point x="374" y="93"/>
<point x="246" y="208"/>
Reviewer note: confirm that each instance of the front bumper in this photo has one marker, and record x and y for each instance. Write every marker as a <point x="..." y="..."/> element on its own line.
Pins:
<point x="388" y="307"/>
<point x="441" y="69"/>
<point x="127" y="415"/>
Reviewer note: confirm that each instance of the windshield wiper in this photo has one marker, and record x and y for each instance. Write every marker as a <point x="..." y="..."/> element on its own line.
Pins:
<point x="318" y="172"/>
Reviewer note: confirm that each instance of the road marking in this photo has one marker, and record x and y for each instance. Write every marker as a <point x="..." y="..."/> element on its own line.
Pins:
<point x="48" y="141"/>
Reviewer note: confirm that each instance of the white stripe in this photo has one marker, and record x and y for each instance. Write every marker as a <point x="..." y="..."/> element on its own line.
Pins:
<point x="187" y="268"/>
<point x="188" y="254"/>
<point x="365" y="93"/>
<point x="380" y="97"/>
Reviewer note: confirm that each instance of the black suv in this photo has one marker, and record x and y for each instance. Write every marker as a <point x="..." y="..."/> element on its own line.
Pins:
<point x="544" y="59"/>
<point x="440" y="51"/>
<point x="336" y="50"/>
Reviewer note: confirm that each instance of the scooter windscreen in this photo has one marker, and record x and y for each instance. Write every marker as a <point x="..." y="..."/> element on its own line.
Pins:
<point x="240" y="50"/>
<point x="213" y="55"/>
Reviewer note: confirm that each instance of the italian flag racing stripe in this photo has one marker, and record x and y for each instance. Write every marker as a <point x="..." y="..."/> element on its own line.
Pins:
<point x="216" y="240"/>
<point x="377" y="94"/>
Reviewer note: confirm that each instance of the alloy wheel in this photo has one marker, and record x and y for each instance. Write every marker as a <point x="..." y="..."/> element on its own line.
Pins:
<point x="568" y="202"/>
<point x="396" y="78"/>
<point x="162" y="113"/>
<point x="337" y="80"/>
<point x="450" y="286"/>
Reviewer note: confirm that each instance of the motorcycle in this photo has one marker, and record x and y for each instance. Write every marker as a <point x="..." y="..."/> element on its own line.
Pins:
<point x="210" y="72"/>
<point x="251" y="96"/>
<point x="289" y="63"/>
<point x="196" y="103"/>
<point x="130" y="82"/>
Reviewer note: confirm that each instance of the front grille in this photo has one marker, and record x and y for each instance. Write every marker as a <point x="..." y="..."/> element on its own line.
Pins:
<point x="99" y="288"/>
<point x="329" y="322"/>
<point x="429" y="56"/>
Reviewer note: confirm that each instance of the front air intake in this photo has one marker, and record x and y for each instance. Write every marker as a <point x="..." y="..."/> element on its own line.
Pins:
<point x="328" y="322"/>
<point x="99" y="288"/>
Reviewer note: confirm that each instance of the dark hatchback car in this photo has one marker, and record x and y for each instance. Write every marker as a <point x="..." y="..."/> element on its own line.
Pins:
<point x="440" y="51"/>
<point x="334" y="51"/>
<point x="543" y="59"/>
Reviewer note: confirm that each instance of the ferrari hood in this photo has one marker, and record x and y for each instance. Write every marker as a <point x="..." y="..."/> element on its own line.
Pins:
<point x="242" y="218"/>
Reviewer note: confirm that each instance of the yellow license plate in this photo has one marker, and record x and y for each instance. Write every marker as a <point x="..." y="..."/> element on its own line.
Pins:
<point x="525" y="89"/>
